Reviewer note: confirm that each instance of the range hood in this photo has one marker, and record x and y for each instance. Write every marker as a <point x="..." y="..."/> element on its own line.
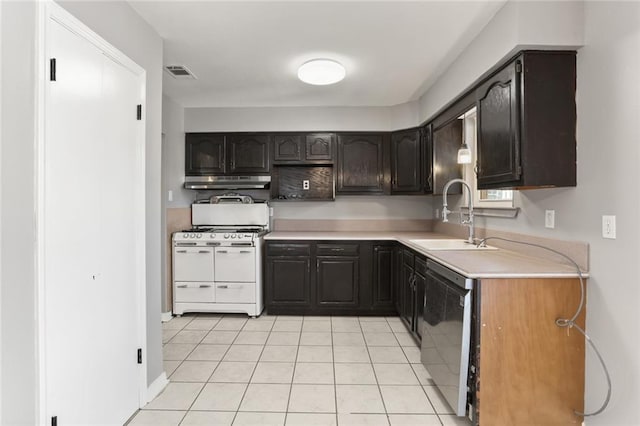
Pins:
<point x="227" y="182"/>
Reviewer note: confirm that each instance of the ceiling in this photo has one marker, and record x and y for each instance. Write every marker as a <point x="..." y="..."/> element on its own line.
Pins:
<point x="246" y="54"/>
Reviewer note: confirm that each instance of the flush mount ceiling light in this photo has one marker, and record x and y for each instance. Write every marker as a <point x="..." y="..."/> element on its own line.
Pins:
<point x="321" y="72"/>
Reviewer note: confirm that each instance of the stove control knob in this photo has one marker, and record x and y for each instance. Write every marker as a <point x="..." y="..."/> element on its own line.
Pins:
<point x="212" y="236"/>
<point x="226" y="236"/>
<point x="192" y="235"/>
<point x="199" y="235"/>
<point x="233" y="235"/>
<point x="247" y="235"/>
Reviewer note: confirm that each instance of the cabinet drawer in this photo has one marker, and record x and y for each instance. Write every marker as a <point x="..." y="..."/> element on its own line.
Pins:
<point x="338" y="249"/>
<point x="407" y="257"/>
<point x="235" y="293"/>
<point x="421" y="266"/>
<point x="281" y="249"/>
<point x="194" y="292"/>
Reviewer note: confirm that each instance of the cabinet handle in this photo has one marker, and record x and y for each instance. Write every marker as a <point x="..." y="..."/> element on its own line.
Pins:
<point x="182" y="286"/>
<point x="223" y="286"/>
<point x="337" y="249"/>
<point x="430" y="180"/>
<point x="204" y="251"/>
<point x="245" y="251"/>
<point x="222" y="251"/>
<point x="205" y="285"/>
<point x="181" y="251"/>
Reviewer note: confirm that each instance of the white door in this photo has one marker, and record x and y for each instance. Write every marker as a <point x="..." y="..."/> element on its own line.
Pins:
<point x="193" y="264"/>
<point x="91" y="252"/>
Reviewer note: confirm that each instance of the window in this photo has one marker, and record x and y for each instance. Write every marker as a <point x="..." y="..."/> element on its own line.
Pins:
<point x="490" y="198"/>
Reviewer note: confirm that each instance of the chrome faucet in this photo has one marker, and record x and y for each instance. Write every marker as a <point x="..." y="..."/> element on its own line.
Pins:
<point x="446" y="211"/>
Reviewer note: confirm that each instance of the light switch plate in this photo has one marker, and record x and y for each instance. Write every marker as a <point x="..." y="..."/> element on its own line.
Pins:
<point x="550" y="219"/>
<point x="609" y="227"/>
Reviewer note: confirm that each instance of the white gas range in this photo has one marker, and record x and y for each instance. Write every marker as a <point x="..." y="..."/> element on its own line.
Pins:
<point x="217" y="265"/>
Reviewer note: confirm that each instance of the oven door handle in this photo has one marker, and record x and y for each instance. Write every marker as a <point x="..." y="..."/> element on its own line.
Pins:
<point x="222" y="286"/>
<point x="245" y="251"/>
<point x="222" y="251"/>
<point x="205" y="285"/>
<point x="182" y="286"/>
<point x="204" y="251"/>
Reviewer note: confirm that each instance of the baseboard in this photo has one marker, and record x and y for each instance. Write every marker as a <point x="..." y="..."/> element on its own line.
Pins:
<point x="156" y="387"/>
<point x="166" y="316"/>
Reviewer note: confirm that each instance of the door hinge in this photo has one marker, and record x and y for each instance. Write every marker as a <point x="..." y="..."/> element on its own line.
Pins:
<point x="139" y="112"/>
<point x="139" y="356"/>
<point x="518" y="66"/>
<point x="52" y="69"/>
<point x="54" y="421"/>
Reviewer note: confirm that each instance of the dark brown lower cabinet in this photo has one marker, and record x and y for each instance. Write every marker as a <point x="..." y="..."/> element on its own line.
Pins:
<point x="384" y="276"/>
<point x="329" y="278"/>
<point x="406" y="292"/>
<point x="337" y="282"/>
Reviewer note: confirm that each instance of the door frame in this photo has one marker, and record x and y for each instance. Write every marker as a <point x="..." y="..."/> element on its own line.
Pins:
<point x="48" y="10"/>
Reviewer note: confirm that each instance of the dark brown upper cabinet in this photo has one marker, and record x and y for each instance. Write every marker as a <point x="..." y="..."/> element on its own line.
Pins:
<point x="300" y="148"/>
<point x="406" y="162"/>
<point x="287" y="148"/>
<point x="360" y="163"/>
<point x="426" y="133"/>
<point x="248" y="153"/>
<point x="204" y="154"/>
<point x="319" y="147"/>
<point x="220" y="154"/>
<point x="446" y="142"/>
<point x="526" y="123"/>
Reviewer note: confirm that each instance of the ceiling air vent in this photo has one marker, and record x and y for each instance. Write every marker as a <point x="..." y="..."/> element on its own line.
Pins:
<point x="180" y="72"/>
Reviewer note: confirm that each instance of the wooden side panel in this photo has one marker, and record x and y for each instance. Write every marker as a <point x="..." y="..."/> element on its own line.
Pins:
<point x="531" y="371"/>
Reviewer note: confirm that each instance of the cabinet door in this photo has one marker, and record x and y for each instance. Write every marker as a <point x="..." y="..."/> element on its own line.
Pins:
<point x="427" y="158"/>
<point x="446" y="142"/>
<point x="204" y="154"/>
<point x="407" y="295"/>
<point x="248" y="154"/>
<point x="383" y="279"/>
<point x="406" y="162"/>
<point x="360" y="163"/>
<point x="498" y="103"/>
<point x="287" y="281"/>
<point x="420" y="287"/>
<point x="337" y="282"/>
<point x="287" y="148"/>
<point x="319" y="146"/>
<point x="398" y="276"/>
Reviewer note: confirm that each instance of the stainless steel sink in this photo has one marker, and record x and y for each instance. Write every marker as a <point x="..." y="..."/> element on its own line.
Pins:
<point x="446" y="244"/>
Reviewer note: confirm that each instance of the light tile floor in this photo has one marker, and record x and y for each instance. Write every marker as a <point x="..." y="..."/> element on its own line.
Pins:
<point x="293" y="370"/>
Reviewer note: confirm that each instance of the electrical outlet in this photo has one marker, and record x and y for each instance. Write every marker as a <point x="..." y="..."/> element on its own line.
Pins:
<point x="550" y="219"/>
<point x="305" y="184"/>
<point x="170" y="195"/>
<point x="271" y="211"/>
<point x="609" y="227"/>
<point x="437" y="213"/>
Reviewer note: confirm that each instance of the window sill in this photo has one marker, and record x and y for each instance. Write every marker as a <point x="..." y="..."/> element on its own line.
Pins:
<point x="505" y="212"/>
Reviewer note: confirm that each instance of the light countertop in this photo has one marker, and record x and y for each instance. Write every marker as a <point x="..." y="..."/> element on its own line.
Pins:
<point x="501" y="263"/>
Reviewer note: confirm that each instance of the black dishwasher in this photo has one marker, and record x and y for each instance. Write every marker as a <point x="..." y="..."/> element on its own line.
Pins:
<point x="446" y="333"/>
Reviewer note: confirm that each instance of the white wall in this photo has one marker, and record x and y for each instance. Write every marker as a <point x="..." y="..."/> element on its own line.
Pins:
<point x="173" y="155"/>
<point x="17" y="283"/>
<point x="120" y="25"/>
<point x="518" y="25"/>
<point x="608" y="107"/>
<point x="287" y="119"/>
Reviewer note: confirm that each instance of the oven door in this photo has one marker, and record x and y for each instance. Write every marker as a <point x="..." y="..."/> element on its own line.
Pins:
<point x="193" y="264"/>
<point x="235" y="264"/>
